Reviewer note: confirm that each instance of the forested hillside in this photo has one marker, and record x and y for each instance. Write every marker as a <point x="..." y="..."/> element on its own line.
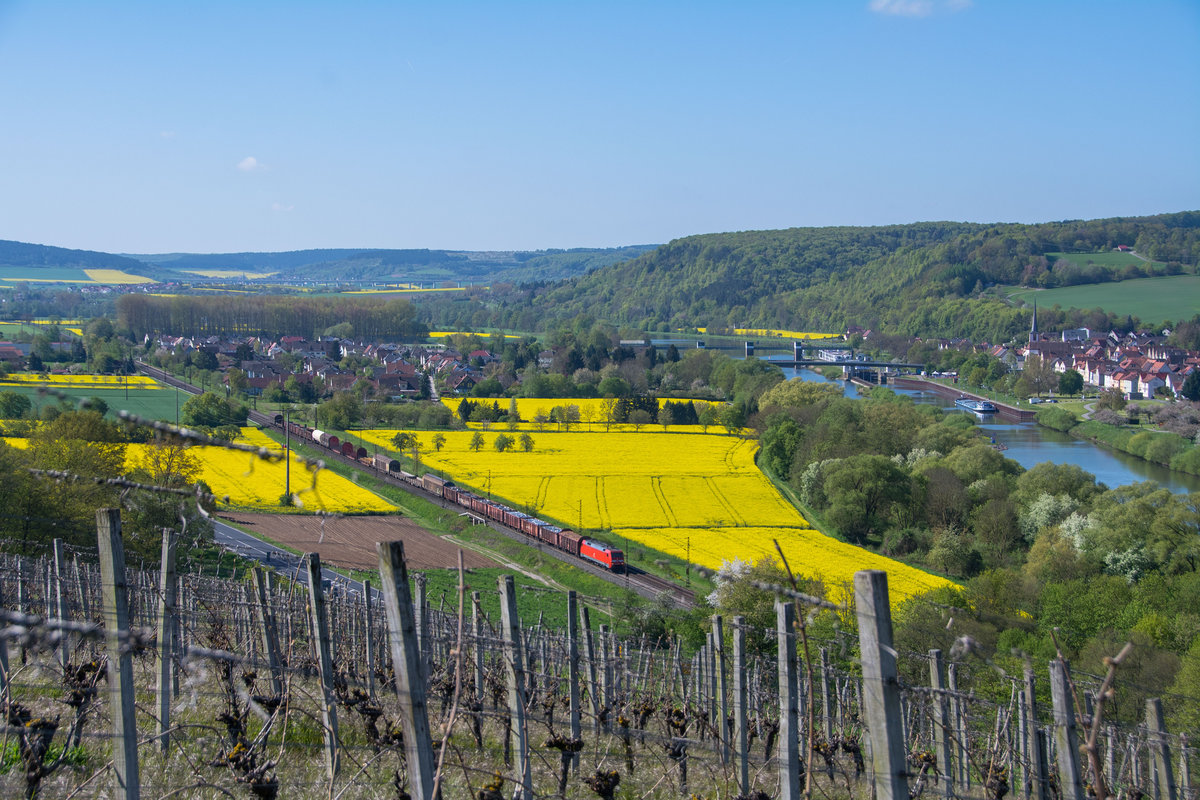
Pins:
<point x="332" y="265"/>
<point x="22" y="254"/>
<point x="414" y="265"/>
<point x="920" y="279"/>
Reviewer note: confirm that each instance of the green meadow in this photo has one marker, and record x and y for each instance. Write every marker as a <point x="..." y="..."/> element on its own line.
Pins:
<point x="148" y="403"/>
<point x="1152" y="300"/>
<point x="43" y="274"/>
<point x="1109" y="258"/>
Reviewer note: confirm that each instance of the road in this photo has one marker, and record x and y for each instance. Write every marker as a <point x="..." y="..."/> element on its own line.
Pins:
<point x="282" y="561"/>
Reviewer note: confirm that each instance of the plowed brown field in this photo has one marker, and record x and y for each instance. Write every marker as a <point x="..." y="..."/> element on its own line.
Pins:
<point x="350" y="541"/>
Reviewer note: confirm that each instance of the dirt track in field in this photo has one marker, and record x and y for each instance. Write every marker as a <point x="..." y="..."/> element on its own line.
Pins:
<point x="350" y="541"/>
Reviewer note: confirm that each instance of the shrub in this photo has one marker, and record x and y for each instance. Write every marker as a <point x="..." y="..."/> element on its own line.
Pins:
<point x="1057" y="418"/>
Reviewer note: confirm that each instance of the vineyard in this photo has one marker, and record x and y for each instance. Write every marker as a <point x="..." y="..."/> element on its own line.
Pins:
<point x="128" y="683"/>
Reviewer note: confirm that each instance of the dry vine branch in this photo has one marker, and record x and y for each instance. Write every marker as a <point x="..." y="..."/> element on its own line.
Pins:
<point x="1093" y="739"/>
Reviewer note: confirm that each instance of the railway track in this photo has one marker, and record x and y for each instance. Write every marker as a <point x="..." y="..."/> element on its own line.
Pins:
<point x="636" y="580"/>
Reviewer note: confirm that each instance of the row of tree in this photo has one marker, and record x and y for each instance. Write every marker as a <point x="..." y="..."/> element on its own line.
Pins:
<point x="269" y="316"/>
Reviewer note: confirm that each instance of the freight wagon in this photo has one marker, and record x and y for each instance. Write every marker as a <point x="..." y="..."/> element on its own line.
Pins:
<point x="591" y="550"/>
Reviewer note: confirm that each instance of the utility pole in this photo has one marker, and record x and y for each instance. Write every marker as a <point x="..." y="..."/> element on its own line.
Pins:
<point x="287" y="453"/>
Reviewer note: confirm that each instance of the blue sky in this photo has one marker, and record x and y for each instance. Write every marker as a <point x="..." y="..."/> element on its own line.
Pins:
<point x="213" y="126"/>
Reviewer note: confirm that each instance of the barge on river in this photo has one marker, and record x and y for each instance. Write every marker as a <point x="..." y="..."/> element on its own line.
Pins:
<point x="978" y="406"/>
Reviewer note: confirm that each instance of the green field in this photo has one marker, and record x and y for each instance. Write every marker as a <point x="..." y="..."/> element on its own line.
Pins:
<point x="150" y="403"/>
<point x="42" y="274"/>
<point x="1152" y="300"/>
<point x="1108" y="258"/>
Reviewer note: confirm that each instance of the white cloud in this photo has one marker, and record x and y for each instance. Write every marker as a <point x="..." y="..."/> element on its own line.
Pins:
<point x="167" y="134"/>
<point x="903" y="8"/>
<point x="281" y="207"/>
<point x="249" y="164"/>
<point x="916" y="8"/>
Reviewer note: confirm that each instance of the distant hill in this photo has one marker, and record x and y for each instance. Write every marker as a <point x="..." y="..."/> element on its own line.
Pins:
<point x="928" y="278"/>
<point x="21" y="254"/>
<point x="330" y="265"/>
<point x="411" y="265"/>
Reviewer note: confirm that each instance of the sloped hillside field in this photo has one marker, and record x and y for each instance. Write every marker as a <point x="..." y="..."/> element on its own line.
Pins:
<point x="695" y="496"/>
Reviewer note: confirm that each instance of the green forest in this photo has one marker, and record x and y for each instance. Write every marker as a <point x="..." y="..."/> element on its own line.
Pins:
<point x="923" y="279"/>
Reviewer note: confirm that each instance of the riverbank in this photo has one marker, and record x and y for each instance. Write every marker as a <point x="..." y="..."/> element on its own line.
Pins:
<point x="1156" y="447"/>
<point x="1003" y="410"/>
<point x="1166" y="449"/>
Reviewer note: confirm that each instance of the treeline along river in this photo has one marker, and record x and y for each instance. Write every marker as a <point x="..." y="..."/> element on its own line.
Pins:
<point x="1028" y="444"/>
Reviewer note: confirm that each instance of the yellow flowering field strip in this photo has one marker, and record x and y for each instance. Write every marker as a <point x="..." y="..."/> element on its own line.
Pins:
<point x="116" y="276"/>
<point x="106" y="382"/>
<point x="18" y="442"/>
<point x="591" y="409"/>
<point x="99" y="381"/>
<point x="809" y="553"/>
<point x="667" y="491"/>
<point x="772" y="333"/>
<point x="251" y="482"/>
<point x="229" y="273"/>
<point x="446" y="334"/>
<point x="404" y="291"/>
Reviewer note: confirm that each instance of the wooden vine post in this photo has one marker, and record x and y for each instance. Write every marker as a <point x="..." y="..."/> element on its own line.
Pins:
<point x="406" y="660"/>
<point x="789" y="702"/>
<point x="513" y="646"/>
<point x="66" y="642"/>
<point x="1065" y="737"/>
<point x="1160" y="750"/>
<point x="589" y="648"/>
<point x="4" y="657"/>
<point x="573" y="670"/>
<point x="1035" y="745"/>
<point x="369" y="636"/>
<point x="721" y="677"/>
<point x="739" y="705"/>
<point x="477" y="627"/>
<point x="168" y="588"/>
<point x="941" y="737"/>
<point x="267" y="629"/>
<point x="114" y="592"/>
<point x="320" y="625"/>
<point x="881" y="687"/>
<point x="826" y="696"/>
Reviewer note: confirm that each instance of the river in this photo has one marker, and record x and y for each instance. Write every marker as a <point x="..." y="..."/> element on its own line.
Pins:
<point x="1029" y="444"/>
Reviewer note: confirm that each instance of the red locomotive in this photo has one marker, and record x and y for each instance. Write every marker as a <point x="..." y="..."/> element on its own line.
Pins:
<point x="589" y="550"/>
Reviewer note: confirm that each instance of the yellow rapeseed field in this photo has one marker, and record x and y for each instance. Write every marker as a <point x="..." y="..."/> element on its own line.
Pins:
<point x="229" y="273"/>
<point x="445" y="334"/>
<point x="116" y="276"/>
<point x="403" y="291"/>
<point x="251" y="482"/>
<point x="591" y="413"/>
<point x="680" y="493"/>
<point x="771" y="332"/>
<point x="96" y="381"/>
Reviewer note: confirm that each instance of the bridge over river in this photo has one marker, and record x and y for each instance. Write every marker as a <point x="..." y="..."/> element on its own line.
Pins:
<point x="784" y="354"/>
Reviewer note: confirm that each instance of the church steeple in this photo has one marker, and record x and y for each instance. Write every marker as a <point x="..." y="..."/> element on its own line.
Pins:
<point x="1033" y="331"/>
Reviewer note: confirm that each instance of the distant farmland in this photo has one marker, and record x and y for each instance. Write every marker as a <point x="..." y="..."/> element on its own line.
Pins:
<point x="1107" y="258"/>
<point x="149" y="403"/>
<point x="31" y="274"/>
<point x="1152" y="300"/>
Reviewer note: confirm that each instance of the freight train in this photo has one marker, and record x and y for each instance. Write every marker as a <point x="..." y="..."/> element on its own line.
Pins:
<point x="591" y="550"/>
